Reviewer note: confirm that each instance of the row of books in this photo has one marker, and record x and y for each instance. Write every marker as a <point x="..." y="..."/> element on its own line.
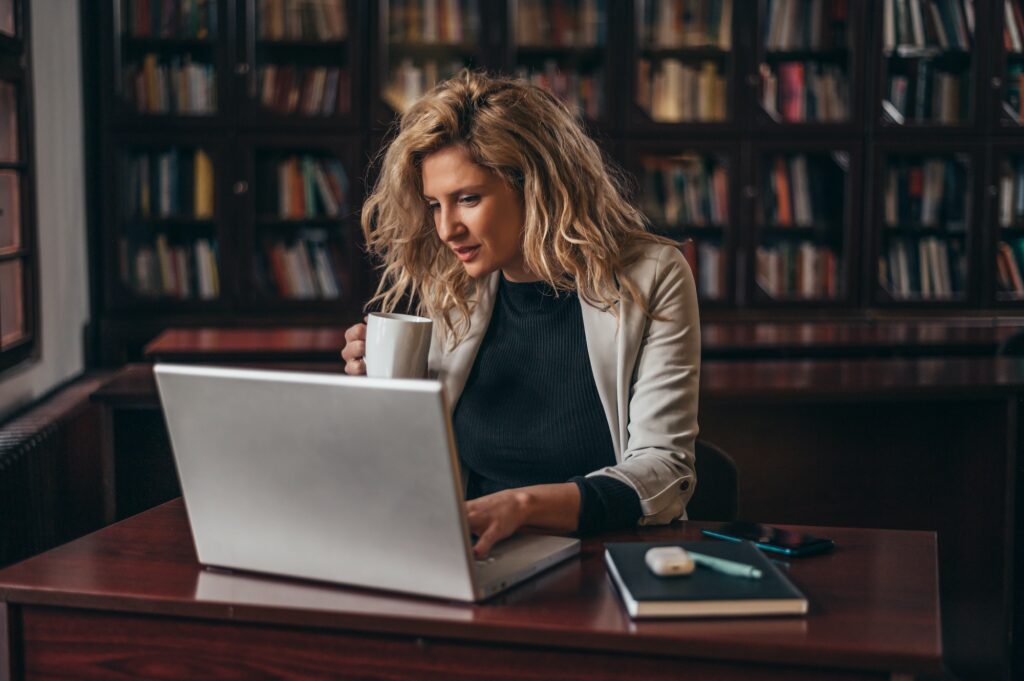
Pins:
<point x="561" y="23"/>
<point x="176" y="85"/>
<point x="1013" y="26"/>
<point x="672" y="92"/>
<point x="581" y="92"/>
<point x="928" y="193"/>
<point x="308" y="267"/>
<point x="410" y="80"/>
<point x="675" y="23"/>
<point x="1013" y="100"/>
<point x="806" y="25"/>
<point x="301" y="187"/>
<point x="174" y="183"/>
<point x="688" y="191"/>
<point x="309" y="91"/>
<point x="802" y="191"/>
<point x="171" y="18"/>
<point x="927" y="23"/>
<point x="8" y="122"/>
<point x="805" y="91"/>
<point x="925" y="94"/>
<point x="799" y="270"/>
<point x="928" y="267"/>
<point x="1011" y="192"/>
<point x="185" y="270"/>
<point x="1009" y="265"/>
<point x="312" y="20"/>
<point x="708" y="265"/>
<point x="434" y="21"/>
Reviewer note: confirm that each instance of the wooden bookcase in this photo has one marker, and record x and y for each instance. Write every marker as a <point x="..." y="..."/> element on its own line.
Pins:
<point x="822" y="103"/>
<point x="19" y="282"/>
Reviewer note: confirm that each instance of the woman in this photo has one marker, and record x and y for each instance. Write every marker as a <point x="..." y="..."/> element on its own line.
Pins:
<point x="566" y="335"/>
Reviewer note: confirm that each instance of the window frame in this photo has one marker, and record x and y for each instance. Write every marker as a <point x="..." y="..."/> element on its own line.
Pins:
<point x="15" y="67"/>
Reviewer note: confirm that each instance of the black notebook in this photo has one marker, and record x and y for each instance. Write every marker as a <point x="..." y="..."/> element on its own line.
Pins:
<point x="704" y="593"/>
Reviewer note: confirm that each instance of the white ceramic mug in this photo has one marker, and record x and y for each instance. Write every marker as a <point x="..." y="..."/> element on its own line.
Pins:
<point x="397" y="345"/>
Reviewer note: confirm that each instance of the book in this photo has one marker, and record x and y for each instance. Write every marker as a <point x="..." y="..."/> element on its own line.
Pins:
<point x="705" y="593"/>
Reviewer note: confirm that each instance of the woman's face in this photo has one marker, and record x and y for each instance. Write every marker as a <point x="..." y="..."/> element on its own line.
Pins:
<point x="475" y="213"/>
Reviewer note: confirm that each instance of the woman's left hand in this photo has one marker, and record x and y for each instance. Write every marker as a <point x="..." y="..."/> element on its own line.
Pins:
<point x="495" y="517"/>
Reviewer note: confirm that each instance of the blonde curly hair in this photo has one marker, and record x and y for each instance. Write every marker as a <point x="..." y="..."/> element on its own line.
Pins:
<point x="578" y="228"/>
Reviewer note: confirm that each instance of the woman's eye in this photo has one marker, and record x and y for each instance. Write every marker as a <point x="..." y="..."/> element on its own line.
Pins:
<point x="469" y="200"/>
<point x="433" y="206"/>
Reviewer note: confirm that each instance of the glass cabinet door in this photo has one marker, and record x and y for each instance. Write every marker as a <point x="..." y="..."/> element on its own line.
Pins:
<point x="300" y="54"/>
<point x="426" y="42"/>
<point x="1009" y="256"/>
<point x="561" y="45"/>
<point x="802" y="220"/>
<point x="806" y="61"/>
<point x="168" y="58"/>
<point x="928" y="62"/>
<point x="168" y="245"/>
<point x="684" y="57"/>
<point x="926" y="221"/>
<point x="686" y="198"/>
<point x="301" y="244"/>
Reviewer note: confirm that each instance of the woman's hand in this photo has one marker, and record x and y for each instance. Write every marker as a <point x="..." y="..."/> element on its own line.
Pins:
<point x="552" y="508"/>
<point x="355" y="350"/>
<point x="495" y="517"/>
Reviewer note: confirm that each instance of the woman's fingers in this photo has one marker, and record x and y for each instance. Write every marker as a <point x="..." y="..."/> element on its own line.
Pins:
<point x="491" y="536"/>
<point x="354" y="350"/>
<point x="355" y="332"/>
<point x="355" y="367"/>
<point x="355" y="346"/>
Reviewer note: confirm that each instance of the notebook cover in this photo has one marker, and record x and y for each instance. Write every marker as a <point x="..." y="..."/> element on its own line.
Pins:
<point x="704" y="593"/>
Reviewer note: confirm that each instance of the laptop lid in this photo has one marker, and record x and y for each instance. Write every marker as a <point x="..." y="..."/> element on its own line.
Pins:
<point x="323" y="476"/>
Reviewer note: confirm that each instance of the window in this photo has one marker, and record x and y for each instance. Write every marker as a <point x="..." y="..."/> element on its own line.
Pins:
<point x="18" y="334"/>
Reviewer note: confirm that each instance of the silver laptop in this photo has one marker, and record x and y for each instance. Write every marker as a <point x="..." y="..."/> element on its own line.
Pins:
<point x="336" y="478"/>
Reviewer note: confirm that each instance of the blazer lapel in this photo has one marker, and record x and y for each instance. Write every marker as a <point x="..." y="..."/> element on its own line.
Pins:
<point x="452" y="367"/>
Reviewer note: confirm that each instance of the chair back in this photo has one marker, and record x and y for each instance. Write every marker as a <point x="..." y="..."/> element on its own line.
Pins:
<point x="1012" y="346"/>
<point x="715" y="497"/>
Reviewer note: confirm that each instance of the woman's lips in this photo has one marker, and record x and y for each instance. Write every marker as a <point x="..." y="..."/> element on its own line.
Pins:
<point x="467" y="253"/>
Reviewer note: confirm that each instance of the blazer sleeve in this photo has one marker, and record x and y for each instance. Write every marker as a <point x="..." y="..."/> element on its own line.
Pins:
<point x="658" y="461"/>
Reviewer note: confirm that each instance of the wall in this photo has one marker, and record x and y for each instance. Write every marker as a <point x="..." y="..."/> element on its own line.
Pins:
<point x="60" y="200"/>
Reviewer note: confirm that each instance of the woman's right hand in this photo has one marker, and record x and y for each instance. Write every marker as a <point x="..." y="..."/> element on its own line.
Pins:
<point x="355" y="350"/>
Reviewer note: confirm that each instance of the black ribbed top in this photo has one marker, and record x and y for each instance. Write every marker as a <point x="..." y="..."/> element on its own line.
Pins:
<point x="530" y="413"/>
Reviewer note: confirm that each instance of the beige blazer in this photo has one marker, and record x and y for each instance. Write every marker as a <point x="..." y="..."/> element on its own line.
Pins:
<point x="647" y="373"/>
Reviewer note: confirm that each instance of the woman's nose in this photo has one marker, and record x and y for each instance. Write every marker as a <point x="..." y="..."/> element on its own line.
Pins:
<point x="448" y="224"/>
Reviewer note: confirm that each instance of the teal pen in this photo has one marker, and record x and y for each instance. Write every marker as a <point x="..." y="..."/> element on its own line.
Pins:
<point x="726" y="567"/>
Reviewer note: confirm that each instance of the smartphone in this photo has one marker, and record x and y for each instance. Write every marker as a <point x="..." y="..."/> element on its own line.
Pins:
<point x="773" y="539"/>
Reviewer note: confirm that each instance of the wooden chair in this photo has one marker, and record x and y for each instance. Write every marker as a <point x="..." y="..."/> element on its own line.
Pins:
<point x="717" y="482"/>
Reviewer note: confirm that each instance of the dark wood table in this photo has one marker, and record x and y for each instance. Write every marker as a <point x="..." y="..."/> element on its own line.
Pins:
<point x="918" y="444"/>
<point x="720" y="340"/>
<point x="130" y="601"/>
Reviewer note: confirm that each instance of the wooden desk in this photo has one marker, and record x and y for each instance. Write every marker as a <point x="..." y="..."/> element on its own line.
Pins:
<point x="131" y="601"/>
<point x="720" y="340"/>
<point x="923" y="444"/>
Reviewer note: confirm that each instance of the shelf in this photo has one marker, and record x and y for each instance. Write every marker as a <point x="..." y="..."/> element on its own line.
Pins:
<point x="910" y="52"/>
<point x="302" y="44"/>
<point x="689" y="53"/>
<point x="296" y="223"/>
<point x="429" y="50"/>
<point x="830" y="55"/>
<point x="170" y="222"/>
<point x="689" y="230"/>
<point x="911" y="231"/>
<point x="798" y="231"/>
<point x="166" y="44"/>
<point x="583" y="54"/>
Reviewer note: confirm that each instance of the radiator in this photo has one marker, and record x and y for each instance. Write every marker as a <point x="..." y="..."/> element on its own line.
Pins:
<point x="50" y="472"/>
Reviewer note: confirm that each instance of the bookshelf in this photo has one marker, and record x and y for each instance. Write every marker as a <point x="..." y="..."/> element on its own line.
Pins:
<point x="715" y="107"/>
<point x="18" y="256"/>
